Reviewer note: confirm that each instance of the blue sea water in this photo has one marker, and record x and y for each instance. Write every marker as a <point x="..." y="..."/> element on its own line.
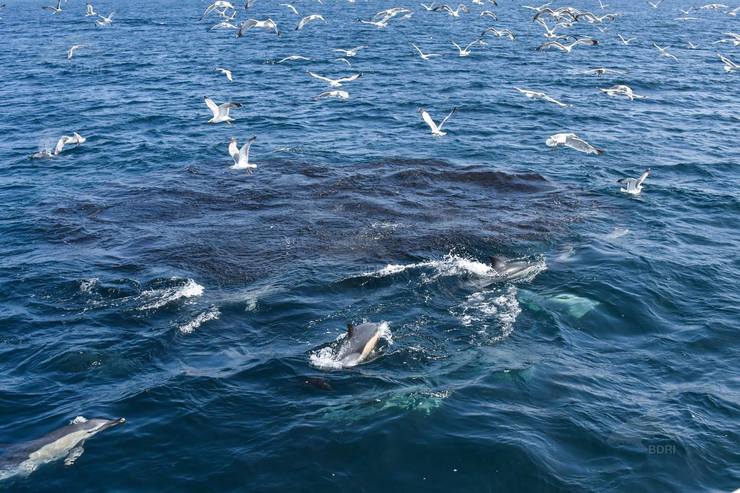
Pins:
<point x="142" y="277"/>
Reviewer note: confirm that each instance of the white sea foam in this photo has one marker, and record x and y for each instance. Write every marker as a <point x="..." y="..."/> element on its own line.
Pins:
<point x="490" y="307"/>
<point x="212" y="314"/>
<point x="87" y="285"/>
<point x="164" y="296"/>
<point x="78" y="420"/>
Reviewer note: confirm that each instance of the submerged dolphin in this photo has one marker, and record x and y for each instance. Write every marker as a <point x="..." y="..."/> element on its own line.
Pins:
<point x="66" y="442"/>
<point x="359" y="343"/>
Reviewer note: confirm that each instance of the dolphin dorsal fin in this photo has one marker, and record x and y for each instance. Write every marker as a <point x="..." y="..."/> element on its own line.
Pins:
<point x="497" y="262"/>
<point x="350" y="329"/>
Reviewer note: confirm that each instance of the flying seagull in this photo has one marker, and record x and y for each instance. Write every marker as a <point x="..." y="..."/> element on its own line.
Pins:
<point x="622" y="90"/>
<point x="295" y="11"/>
<point x="71" y="51"/>
<point x="268" y="24"/>
<point x="65" y="139"/>
<point x="241" y="156"/>
<point x="465" y="51"/>
<point x="293" y="58"/>
<point x="540" y="95"/>
<point x="625" y="40"/>
<point x="436" y="129"/>
<point x="220" y="6"/>
<point x="336" y="82"/>
<point x="226" y="72"/>
<point x="573" y="141"/>
<point x="90" y="11"/>
<point x="307" y="19"/>
<point x="422" y="55"/>
<point x="54" y="10"/>
<point x="105" y="21"/>
<point x="567" y="48"/>
<point x="351" y="52"/>
<point x="221" y="111"/>
<point x="633" y="185"/>
<point x="730" y="66"/>
<point x="664" y="52"/>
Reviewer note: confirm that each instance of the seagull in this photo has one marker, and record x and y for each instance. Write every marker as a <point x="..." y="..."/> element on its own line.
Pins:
<point x="602" y="5"/>
<point x="733" y="12"/>
<point x="219" y="5"/>
<point x="448" y="9"/>
<point x="537" y="9"/>
<point x="428" y="8"/>
<point x="542" y="96"/>
<point x="307" y="19"/>
<point x="465" y="51"/>
<point x="549" y="33"/>
<point x="226" y="72"/>
<point x="714" y="6"/>
<point x="655" y="5"/>
<point x="241" y="156"/>
<point x="343" y="95"/>
<point x="344" y="60"/>
<point x="351" y="52"/>
<point x="293" y="58"/>
<point x="71" y="51"/>
<point x="664" y="52"/>
<point x="224" y="25"/>
<point x="65" y="139"/>
<point x="602" y="71"/>
<point x="692" y="45"/>
<point x="105" y="21"/>
<point x="488" y="13"/>
<point x="573" y="141"/>
<point x="90" y="11"/>
<point x="730" y="66"/>
<point x="567" y="48"/>
<point x="336" y="82"/>
<point x="422" y="55"/>
<point x="268" y="24"/>
<point x="624" y="40"/>
<point x="221" y="111"/>
<point x="499" y="33"/>
<point x="436" y="129"/>
<point x="622" y="90"/>
<point x="54" y="10"/>
<point x="633" y="185"/>
<point x="295" y="11"/>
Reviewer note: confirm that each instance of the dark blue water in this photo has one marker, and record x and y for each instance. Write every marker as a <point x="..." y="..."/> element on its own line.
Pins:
<point x="142" y="277"/>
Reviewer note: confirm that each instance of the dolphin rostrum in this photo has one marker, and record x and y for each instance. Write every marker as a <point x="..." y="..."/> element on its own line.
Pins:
<point x="359" y="343"/>
<point x="66" y="442"/>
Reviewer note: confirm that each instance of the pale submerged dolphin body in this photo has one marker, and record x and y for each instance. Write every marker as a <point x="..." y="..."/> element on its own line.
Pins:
<point x="359" y="343"/>
<point x="513" y="269"/>
<point x="66" y="442"/>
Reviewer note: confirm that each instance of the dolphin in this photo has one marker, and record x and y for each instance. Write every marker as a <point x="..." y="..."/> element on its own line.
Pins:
<point x="511" y="269"/>
<point x="66" y="442"/>
<point x="359" y="343"/>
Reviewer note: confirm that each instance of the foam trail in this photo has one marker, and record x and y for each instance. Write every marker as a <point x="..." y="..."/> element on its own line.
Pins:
<point x="212" y="314"/>
<point x="165" y="296"/>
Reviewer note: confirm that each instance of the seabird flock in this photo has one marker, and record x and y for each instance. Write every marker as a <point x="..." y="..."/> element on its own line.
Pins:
<point x="552" y="20"/>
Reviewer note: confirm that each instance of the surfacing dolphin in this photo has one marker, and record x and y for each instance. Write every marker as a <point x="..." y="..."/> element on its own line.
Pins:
<point x="66" y="442"/>
<point x="359" y="343"/>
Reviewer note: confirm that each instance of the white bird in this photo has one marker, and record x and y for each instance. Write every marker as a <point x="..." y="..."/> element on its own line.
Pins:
<point x="730" y="66"/>
<point x="655" y="5"/>
<point x="567" y="48"/>
<point x="220" y="6"/>
<point x="692" y="45"/>
<point x="733" y="12"/>
<point x="54" y="10"/>
<point x="221" y="111"/>
<point x="268" y="24"/>
<point x="542" y="96"/>
<point x="344" y="60"/>
<point x="293" y="58"/>
<point x="454" y="13"/>
<point x="633" y="185"/>
<point x="71" y="51"/>
<point x="90" y="11"/>
<point x="351" y="52"/>
<point x="625" y="40"/>
<point x="226" y="72"/>
<point x="224" y="25"/>
<point x="500" y="33"/>
<point x="714" y="6"/>
<point x="105" y="21"/>
<point x="622" y="90"/>
<point x="344" y="95"/>
<point x="436" y="129"/>
<point x="664" y="52"/>
<point x="307" y="19"/>
<point x="537" y="9"/>
<point x="65" y="139"/>
<point x="241" y="156"/>
<point x="573" y="141"/>
<point x="465" y="51"/>
<point x="422" y="55"/>
<point x="381" y="24"/>
<point x="429" y="7"/>
<point x="295" y="11"/>
<point x="602" y="5"/>
<point x="336" y="82"/>
<point x="602" y="71"/>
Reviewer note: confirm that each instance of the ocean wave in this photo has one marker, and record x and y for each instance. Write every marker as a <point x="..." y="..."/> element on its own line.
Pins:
<point x="157" y="298"/>
<point x="211" y="314"/>
<point x="488" y="308"/>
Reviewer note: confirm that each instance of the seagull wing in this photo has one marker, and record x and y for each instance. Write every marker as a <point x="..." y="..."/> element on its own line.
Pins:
<point x="290" y="7"/>
<point x="244" y="151"/>
<point x="581" y="145"/>
<point x="454" y="110"/>
<point x="320" y="77"/>
<point x="350" y="78"/>
<point x="212" y="106"/>
<point x="428" y="119"/>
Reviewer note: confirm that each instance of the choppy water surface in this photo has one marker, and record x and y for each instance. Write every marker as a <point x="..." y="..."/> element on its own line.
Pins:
<point x="141" y="277"/>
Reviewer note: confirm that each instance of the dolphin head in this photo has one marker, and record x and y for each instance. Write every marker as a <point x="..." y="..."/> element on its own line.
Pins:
<point x="97" y="425"/>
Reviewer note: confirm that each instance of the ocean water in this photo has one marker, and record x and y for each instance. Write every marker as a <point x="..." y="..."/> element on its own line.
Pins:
<point x="142" y="277"/>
